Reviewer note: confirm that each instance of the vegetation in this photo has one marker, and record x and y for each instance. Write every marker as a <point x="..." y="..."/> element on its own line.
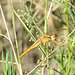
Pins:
<point x="56" y="17"/>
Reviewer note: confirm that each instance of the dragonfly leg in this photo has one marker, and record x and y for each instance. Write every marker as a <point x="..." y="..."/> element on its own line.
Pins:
<point x="54" y="43"/>
<point x="41" y="43"/>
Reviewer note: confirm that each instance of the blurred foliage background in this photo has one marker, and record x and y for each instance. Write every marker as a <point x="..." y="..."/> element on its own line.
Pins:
<point x="32" y="13"/>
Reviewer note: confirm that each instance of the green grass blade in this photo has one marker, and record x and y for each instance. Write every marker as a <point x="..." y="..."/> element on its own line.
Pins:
<point x="4" y="70"/>
<point x="68" y="30"/>
<point x="12" y="71"/>
<point x="73" y="42"/>
<point x="15" y="71"/>
<point x="61" y="56"/>
<point x="13" y="21"/>
<point x="58" y="62"/>
<point x="58" y="71"/>
<point x="7" y="65"/>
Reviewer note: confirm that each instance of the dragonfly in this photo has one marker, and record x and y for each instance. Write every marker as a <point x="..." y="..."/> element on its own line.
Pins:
<point x="45" y="38"/>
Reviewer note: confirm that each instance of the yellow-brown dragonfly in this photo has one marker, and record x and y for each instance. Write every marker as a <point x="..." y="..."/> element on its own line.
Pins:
<point x="45" y="38"/>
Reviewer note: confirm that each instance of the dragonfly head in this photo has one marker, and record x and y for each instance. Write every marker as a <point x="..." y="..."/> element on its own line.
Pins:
<point x="54" y="37"/>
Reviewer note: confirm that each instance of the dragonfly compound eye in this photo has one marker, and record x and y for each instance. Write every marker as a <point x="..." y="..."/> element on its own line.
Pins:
<point x="54" y="37"/>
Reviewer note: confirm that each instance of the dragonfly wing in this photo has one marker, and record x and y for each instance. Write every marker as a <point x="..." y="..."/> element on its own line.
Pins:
<point x="30" y="48"/>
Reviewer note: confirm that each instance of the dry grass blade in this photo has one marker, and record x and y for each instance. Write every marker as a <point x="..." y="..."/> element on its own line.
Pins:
<point x="8" y="62"/>
<point x="4" y="36"/>
<point x="10" y="40"/>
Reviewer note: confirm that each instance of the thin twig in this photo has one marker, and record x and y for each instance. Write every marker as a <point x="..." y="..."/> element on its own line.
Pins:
<point x="4" y="36"/>
<point x="8" y="62"/>
<point x="49" y="10"/>
<point x="68" y="36"/>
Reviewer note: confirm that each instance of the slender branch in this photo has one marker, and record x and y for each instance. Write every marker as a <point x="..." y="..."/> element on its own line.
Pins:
<point x="8" y="62"/>
<point x="4" y="36"/>
<point x="49" y="10"/>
